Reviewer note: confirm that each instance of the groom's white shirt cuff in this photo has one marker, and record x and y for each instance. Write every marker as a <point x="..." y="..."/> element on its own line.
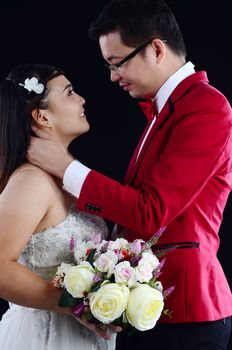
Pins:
<point x="74" y="177"/>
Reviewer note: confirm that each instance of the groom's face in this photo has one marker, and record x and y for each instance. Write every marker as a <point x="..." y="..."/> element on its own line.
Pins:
<point x="136" y="75"/>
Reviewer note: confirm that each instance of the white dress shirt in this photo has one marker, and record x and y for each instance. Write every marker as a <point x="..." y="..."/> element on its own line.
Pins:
<point x="76" y="172"/>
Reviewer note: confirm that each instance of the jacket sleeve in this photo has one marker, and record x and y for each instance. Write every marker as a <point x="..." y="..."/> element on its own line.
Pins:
<point x="199" y="144"/>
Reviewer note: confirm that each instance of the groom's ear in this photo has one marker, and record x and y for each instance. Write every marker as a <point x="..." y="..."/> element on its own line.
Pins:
<point x="39" y="118"/>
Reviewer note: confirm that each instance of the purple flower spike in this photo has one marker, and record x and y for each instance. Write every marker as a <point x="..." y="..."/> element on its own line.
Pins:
<point x="78" y="310"/>
<point x="135" y="260"/>
<point x="159" y="233"/>
<point x="154" y="238"/>
<point x="97" y="278"/>
<point x="72" y="244"/>
<point x="86" y="309"/>
<point x="168" y="291"/>
<point x="162" y="263"/>
<point x="156" y="274"/>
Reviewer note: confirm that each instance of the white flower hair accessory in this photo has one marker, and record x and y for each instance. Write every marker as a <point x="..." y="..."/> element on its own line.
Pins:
<point x="33" y="85"/>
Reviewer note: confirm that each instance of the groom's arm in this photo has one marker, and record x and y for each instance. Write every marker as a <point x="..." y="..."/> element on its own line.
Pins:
<point x="199" y="146"/>
<point x="74" y="177"/>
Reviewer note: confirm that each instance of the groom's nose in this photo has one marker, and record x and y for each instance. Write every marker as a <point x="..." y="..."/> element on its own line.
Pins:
<point x="115" y="76"/>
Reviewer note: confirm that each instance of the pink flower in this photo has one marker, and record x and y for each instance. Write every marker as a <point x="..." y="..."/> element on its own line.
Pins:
<point x="136" y="247"/>
<point x="124" y="273"/>
<point x="106" y="262"/>
<point x="146" y="266"/>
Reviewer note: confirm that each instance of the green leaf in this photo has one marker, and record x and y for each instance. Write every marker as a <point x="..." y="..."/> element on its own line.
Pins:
<point x="118" y="322"/>
<point x="152" y="284"/>
<point x="96" y="287"/>
<point x="66" y="299"/>
<point x="87" y="316"/>
<point x="90" y="257"/>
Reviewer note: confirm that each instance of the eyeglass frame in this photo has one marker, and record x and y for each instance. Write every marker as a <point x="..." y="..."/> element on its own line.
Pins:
<point x="115" y="67"/>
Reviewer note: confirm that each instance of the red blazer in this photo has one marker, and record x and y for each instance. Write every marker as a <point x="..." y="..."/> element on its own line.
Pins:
<point x="181" y="180"/>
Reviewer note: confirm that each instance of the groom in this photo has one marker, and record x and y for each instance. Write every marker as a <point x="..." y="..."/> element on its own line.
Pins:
<point x="180" y="174"/>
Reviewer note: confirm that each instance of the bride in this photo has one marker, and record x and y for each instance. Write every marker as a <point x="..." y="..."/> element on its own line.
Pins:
<point x="36" y="222"/>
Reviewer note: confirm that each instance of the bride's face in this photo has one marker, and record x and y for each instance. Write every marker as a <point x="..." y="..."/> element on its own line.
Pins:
<point x="65" y="111"/>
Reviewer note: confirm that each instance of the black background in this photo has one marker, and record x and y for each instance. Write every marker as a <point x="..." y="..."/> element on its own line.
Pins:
<point x="56" y="33"/>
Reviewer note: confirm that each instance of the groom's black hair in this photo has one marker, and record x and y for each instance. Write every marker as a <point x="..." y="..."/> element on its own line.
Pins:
<point x="139" y="21"/>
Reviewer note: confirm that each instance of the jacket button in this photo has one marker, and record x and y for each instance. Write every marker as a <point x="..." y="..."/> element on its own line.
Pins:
<point x="93" y="207"/>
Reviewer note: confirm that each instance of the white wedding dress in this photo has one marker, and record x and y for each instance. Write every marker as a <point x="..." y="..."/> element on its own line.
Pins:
<point x="25" y="328"/>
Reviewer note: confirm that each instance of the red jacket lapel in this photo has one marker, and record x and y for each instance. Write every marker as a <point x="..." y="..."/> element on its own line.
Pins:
<point x="167" y="110"/>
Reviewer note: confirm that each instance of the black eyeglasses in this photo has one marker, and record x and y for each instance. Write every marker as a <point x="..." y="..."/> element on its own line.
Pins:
<point x="116" y="67"/>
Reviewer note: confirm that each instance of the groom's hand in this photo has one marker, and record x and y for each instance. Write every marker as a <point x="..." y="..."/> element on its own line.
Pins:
<point x="48" y="154"/>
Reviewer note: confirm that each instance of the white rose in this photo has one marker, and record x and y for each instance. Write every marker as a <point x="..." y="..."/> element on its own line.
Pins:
<point x="144" y="307"/>
<point x="151" y="259"/>
<point x="81" y="249"/>
<point x="58" y="279"/>
<point x="63" y="268"/>
<point x="119" y="243"/>
<point x="146" y="266"/>
<point x="106" y="262"/>
<point x="102" y="244"/>
<point x="109" y="302"/>
<point x="124" y="273"/>
<point x="79" y="279"/>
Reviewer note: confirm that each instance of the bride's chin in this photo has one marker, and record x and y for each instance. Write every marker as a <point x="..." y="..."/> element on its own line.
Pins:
<point x="83" y="131"/>
<point x="77" y="134"/>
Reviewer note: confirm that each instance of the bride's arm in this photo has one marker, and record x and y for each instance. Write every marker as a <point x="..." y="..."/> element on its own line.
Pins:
<point x="24" y="202"/>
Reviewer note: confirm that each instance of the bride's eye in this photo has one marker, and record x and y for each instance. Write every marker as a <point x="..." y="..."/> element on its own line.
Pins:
<point x="71" y="92"/>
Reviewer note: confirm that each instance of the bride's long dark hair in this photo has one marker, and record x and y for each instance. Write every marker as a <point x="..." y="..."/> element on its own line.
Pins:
<point x="16" y="105"/>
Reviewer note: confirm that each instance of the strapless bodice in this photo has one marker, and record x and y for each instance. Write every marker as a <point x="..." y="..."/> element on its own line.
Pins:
<point x="49" y="248"/>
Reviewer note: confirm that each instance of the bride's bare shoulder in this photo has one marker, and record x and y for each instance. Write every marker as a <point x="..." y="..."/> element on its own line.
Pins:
<point x="32" y="177"/>
<point x="29" y="170"/>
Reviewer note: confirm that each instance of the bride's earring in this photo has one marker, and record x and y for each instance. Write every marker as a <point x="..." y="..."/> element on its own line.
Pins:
<point x="48" y="123"/>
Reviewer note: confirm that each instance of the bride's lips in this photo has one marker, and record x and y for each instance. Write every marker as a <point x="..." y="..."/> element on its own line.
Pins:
<point x="83" y="114"/>
<point x="125" y="86"/>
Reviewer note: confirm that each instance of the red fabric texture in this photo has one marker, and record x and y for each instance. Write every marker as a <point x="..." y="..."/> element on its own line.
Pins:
<point x="181" y="180"/>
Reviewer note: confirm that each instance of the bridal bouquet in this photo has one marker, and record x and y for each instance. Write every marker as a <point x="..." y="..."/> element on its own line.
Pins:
<point x="114" y="282"/>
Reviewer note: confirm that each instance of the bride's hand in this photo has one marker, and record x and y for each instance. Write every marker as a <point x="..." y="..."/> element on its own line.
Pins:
<point x="102" y="332"/>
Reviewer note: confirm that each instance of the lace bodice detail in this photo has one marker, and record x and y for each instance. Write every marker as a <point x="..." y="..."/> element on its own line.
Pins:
<point x="40" y="329"/>
<point x="47" y="249"/>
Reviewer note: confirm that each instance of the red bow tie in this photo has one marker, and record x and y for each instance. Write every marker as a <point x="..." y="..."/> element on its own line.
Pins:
<point x="149" y="109"/>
